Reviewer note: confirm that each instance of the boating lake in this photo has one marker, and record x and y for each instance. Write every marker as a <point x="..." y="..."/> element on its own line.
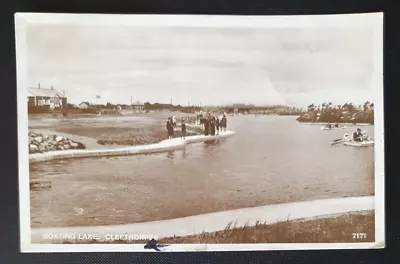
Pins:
<point x="270" y="160"/>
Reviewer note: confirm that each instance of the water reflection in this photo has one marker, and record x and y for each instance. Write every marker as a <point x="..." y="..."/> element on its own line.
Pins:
<point x="184" y="154"/>
<point x="211" y="143"/>
<point x="170" y="154"/>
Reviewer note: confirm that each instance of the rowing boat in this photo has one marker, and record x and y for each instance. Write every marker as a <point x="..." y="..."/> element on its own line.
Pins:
<point x="347" y="140"/>
<point x="365" y="143"/>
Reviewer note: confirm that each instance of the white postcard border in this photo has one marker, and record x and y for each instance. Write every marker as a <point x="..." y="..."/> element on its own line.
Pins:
<point x="22" y="20"/>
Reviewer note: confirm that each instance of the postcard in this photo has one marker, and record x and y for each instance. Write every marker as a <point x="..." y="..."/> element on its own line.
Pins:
<point x="184" y="133"/>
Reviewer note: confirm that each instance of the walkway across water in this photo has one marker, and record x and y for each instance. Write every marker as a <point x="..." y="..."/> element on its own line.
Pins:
<point x="215" y="221"/>
<point x="163" y="146"/>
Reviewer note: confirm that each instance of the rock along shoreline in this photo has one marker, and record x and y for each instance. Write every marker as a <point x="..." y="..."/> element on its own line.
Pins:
<point x="38" y="143"/>
<point x="163" y="146"/>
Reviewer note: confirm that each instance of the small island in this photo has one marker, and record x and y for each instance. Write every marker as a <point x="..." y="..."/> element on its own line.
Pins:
<point x="346" y="113"/>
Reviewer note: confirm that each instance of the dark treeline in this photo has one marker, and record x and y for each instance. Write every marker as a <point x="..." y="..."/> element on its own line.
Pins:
<point x="157" y="106"/>
<point x="346" y="113"/>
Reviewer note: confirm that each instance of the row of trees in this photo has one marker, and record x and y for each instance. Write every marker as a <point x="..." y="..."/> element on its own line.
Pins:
<point x="347" y="106"/>
<point x="346" y="113"/>
<point x="273" y="109"/>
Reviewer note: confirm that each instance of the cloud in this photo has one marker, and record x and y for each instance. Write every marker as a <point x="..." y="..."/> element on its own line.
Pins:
<point x="215" y="66"/>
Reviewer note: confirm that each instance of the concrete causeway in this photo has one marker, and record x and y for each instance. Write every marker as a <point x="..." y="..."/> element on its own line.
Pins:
<point x="213" y="221"/>
<point x="163" y="146"/>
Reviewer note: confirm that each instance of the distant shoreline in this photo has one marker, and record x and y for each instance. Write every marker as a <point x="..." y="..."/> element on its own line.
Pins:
<point x="325" y="123"/>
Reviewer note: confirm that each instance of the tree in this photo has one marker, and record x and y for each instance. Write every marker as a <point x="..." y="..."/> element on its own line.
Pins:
<point x="350" y="107"/>
<point x="366" y="105"/>
<point x="147" y="106"/>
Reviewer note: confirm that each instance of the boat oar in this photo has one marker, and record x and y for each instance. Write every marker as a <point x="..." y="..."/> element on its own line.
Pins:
<point x="337" y="142"/>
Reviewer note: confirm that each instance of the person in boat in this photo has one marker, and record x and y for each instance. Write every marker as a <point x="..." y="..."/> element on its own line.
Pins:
<point x="365" y="135"/>
<point x="223" y="122"/>
<point x="170" y="128"/>
<point x="358" y="136"/>
<point x="217" y="123"/>
<point x="212" y="126"/>
<point x="183" y="128"/>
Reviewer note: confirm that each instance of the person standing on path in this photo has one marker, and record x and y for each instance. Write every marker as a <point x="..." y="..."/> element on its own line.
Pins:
<point x="206" y="125"/>
<point x="212" y="126"/>
<point x="174" y="121"/>
<point x="183" y="129"/>
<point x="170" y="128"/>
<point x="224" y="122"/>
<point x="217" y="124"/>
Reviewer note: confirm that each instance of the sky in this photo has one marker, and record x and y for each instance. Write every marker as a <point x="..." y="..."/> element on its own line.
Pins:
<point x="207" y="66"/>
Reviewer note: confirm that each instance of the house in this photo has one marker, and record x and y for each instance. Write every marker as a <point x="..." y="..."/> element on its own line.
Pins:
<point x="137" y="105"/>
<point x="84" y="105"/>
<point x="46" y="97"/>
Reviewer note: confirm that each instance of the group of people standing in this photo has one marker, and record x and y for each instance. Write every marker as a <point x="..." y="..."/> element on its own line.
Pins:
<point x="212" y="124"/>
<point x="171" y="124"/>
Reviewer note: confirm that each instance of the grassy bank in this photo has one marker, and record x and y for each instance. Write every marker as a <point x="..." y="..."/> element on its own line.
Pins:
<point x="337" y="229"/>
<point x="332" y="229"/>
<point x="131" y="130"/>
<point x="141" y="136"/>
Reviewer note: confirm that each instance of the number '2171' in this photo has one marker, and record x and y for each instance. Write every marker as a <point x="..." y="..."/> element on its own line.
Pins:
<point x="359" y="235"/>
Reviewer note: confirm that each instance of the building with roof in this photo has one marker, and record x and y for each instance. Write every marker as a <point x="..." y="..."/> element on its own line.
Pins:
<point x="84" y="105"/>
<point x="137" y="105"/>
<point x="52" y="98"/>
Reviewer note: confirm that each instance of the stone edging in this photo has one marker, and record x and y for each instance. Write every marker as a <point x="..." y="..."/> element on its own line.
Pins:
<point x="38" y="143"/>
<point x="163" y="146"/>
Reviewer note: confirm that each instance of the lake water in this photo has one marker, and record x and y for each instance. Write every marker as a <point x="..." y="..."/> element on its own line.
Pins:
<point x="271" y="159"/>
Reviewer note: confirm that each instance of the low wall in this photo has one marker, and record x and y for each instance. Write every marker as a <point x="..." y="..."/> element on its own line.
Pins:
<point x="163" y="146"/>
<point x="216" y="221"/>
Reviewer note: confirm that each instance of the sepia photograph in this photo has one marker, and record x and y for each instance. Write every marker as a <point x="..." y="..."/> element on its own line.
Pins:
<point x="200" y="133"/>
